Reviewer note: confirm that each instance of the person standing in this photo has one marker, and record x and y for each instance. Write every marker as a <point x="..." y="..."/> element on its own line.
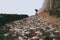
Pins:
<point x="36" y="11"/>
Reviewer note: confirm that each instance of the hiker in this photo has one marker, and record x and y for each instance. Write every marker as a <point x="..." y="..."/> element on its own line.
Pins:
<point x="36" y="11"/>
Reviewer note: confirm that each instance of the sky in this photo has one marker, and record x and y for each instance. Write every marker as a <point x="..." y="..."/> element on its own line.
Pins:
<point x="20" y="6"/>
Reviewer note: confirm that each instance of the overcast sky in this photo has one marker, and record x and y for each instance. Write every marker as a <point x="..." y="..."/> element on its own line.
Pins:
<point x="20" y="6"/>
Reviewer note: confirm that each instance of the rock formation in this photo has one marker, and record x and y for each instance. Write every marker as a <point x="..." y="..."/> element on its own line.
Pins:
<point x="31" y="28"/>
<point x="45" y="6"/>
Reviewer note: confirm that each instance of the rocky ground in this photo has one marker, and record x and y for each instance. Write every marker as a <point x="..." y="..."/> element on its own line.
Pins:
<point x="31" y="28"/>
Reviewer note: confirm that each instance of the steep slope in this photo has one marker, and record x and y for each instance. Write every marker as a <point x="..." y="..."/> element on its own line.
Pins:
<point x="31" y="28"/>
<point x="50" y="19"/>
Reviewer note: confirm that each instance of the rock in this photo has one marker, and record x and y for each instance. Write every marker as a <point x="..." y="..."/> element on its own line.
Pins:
<point x="6" y="34"/>
<point x="35" y="38"/>
<point x="20" y="38"/>
<point x="31" y="28"/>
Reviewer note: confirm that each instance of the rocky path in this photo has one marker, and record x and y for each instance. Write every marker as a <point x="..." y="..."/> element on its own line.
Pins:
<point x="31" y="28"/>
